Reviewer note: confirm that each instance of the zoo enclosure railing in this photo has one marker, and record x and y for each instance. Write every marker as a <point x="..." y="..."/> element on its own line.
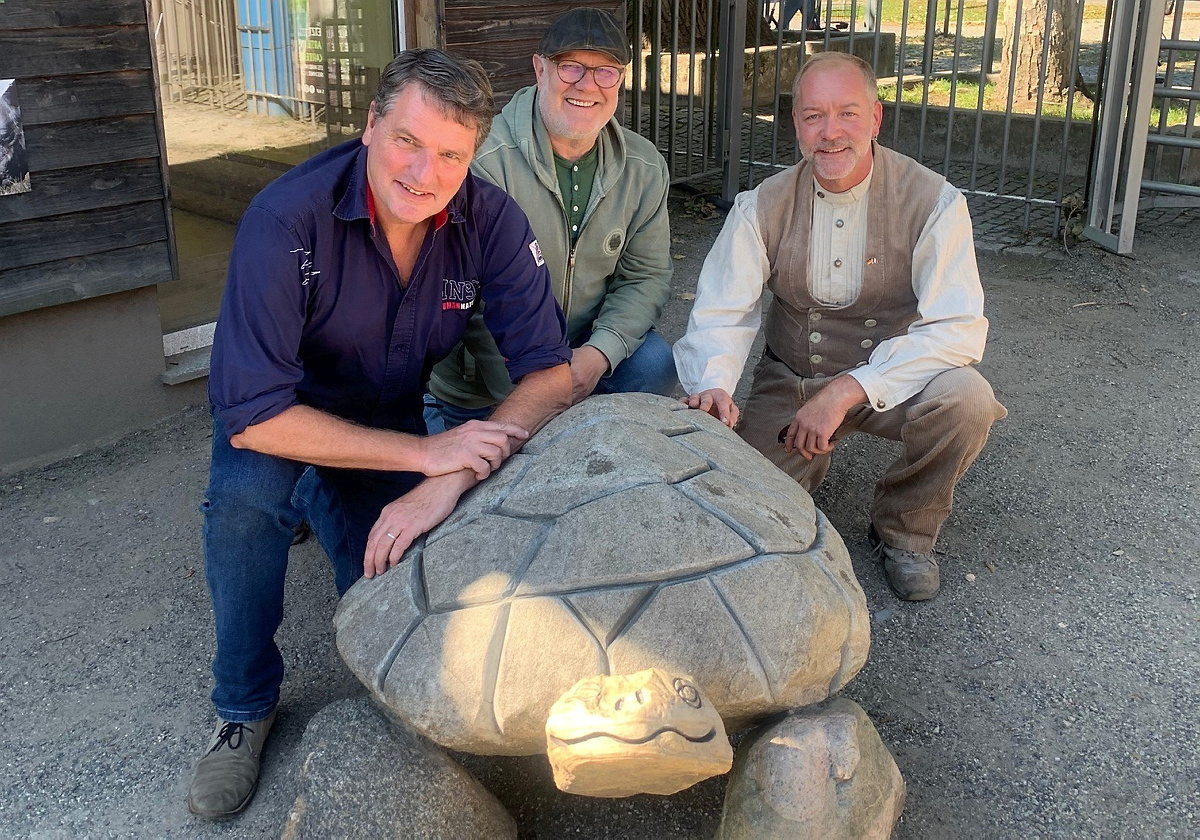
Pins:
<point x="1014" y="123"/>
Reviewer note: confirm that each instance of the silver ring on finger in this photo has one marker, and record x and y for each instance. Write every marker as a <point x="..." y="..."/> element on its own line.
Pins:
<point x="393" y="536"/>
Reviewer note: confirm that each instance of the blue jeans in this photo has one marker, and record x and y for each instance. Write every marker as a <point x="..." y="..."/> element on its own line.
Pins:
<point x="252" y="507"/>
<point x="650" y="369"/>
<point x="812" y="13"/>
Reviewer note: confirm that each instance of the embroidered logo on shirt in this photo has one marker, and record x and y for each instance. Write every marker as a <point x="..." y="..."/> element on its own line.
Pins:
<point x="306" y="266"/>
<point x="536" y="250"/>
<point x="612" y="245"/>
<point x="458" y="294"/>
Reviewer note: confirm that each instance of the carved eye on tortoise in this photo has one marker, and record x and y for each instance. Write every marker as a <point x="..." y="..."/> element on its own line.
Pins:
<point x="687" y="692"/>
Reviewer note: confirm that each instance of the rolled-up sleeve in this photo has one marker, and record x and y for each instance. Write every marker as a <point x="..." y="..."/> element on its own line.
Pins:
<point x="728" y="309"/>
<point x="255" y="364"/>
<point x="950" y="330"/>
<point x="521" y="312"/>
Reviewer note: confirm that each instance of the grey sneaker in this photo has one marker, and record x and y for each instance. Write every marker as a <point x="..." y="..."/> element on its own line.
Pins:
<point x="228" y="772"/>
<point x="912" y="576"/>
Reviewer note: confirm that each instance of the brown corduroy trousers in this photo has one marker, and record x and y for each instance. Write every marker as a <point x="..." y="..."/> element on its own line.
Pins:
<point x="943" y="429"/>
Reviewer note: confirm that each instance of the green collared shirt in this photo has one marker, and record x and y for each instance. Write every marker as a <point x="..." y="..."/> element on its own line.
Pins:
<point x="575" y="184"/>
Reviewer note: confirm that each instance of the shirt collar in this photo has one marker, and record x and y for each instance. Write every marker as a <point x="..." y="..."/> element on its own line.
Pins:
<point x="843" y="199"/>
<point x="358" y="202"/>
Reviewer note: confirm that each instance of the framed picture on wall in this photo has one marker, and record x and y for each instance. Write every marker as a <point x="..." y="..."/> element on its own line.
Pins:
<point x="14" y="160"/>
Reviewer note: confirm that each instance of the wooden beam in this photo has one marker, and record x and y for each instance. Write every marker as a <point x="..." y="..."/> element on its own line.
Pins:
<point x="50" y="52"/>
<point x="37" y="241"/>
<point x="425" y="23"/>
<point x="79" y="278"/>
<point x="63" y="191"/>
<point x="50" y="14"/>
<point x="59" y="100"/>
<point x="91" y="143"/>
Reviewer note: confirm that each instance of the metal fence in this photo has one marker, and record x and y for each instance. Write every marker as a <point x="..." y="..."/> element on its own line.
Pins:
<point x="1013" y="122"/>
<point x="1149" y="128"/>
<point x="195" y="47"/>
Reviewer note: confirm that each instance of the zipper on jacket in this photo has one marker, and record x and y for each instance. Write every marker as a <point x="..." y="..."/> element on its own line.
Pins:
<point x="566" y="307"/>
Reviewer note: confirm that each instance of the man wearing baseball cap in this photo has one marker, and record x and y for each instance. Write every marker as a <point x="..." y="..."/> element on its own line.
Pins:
<point x="596" y="196"/>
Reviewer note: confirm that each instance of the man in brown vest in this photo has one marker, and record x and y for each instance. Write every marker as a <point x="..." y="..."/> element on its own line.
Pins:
<point x="876" y="320"/>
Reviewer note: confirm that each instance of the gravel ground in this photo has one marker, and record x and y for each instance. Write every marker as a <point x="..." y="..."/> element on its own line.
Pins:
<point x="1049" y="691"/>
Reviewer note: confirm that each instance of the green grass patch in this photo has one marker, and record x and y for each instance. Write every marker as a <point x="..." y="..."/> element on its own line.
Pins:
<point x="995" y="98"/>
<point x="974" y="11"/>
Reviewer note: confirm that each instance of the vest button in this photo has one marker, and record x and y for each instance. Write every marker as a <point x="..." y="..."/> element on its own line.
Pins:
<point x="866" y="342"/>
<point x="814" y="316"/>
<point x="870" y="322"/>
<point x="815" y="338"/>
<point x="837" y="263"/>
<point x="816" y="358"/>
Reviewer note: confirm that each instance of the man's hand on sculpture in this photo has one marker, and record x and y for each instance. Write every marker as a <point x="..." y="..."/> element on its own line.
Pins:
<point x="718" y="403"/>
<point x="417" y="511"/>
<point x="587" y="366"/>
<point x="477" y="445"/>
<point x="812" y="429"/>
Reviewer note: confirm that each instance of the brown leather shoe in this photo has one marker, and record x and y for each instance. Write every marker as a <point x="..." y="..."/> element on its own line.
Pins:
<point x="227" y="774"/>
<point x="911" y="575"/>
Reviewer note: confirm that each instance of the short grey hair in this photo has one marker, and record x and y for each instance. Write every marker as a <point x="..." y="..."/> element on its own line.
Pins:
<point x="459" y="86"/>
<point x="830" y="57"/>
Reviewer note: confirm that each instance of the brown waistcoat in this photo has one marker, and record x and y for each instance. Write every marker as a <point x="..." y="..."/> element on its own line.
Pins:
<point x="816" y="339"/>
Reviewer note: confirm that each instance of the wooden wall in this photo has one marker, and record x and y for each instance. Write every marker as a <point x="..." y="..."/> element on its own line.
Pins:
<point x="503" y="36"/>
<point x="96" y="221"/>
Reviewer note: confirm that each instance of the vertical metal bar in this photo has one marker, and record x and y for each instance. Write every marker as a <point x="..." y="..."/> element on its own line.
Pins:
<point x="710" y="126"/>
<point x="692" y="134"/>
<point x="901" y="60"/>
<point x="1043" y="72"/>
<point x="946" y="20"/>
<point x="1008" y="108"/>
<point x="1146" y="62"/>
<point x="930" y="23"/>
<point x="990" y="20"/>
<point x="775" y="114"/>
<point x="194" y="46"/>
<point x="954" y="90"/>
<point x="639" y="70"/>
<point x="673" y="119"/>
<point x="1113" y="116"/>
<point x="1098" y="107"/>
<point x="655" y="103"/>
<point x="984" y="67"/>
<point x="1164" y="111"/>
<point x="931" y="7"/>
<point x="1062" y="158"/>
<point x="204" y="40"/>
<point x="755" y="68"/>
<point x="1185" y="156"/>
<point x="733" y="29"/>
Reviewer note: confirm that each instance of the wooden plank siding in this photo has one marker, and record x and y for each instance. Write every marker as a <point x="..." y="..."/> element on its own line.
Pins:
<point x="504" y="36"/>
<point x="96" y="221"/>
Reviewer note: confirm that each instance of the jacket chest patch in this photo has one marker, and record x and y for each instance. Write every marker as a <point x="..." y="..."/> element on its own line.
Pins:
<point x="614" y="241"/>
<point x="458" y="294"/>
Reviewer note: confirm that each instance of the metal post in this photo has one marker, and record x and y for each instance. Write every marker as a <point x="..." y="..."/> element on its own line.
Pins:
<point x="729" y="103"/>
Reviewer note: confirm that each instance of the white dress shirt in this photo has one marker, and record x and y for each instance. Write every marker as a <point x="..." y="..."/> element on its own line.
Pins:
<point x="950" y="330"/>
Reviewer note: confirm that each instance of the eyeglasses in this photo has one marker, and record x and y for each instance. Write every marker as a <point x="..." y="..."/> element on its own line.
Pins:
<point x="571" y="72"/>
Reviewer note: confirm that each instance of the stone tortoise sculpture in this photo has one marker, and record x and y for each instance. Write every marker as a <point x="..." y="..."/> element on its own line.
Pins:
<point x="637" y="549"/>
<point x="630" y="533"/>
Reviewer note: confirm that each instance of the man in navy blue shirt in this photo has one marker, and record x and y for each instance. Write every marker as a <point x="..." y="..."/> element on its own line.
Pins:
<point x="351" y="276"/>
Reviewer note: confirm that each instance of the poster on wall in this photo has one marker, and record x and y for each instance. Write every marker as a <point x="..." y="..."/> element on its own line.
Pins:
<point x="14" y="162"/>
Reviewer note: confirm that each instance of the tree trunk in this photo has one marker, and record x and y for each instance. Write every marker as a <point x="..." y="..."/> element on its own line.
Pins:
<point x="1023" y="50"/>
